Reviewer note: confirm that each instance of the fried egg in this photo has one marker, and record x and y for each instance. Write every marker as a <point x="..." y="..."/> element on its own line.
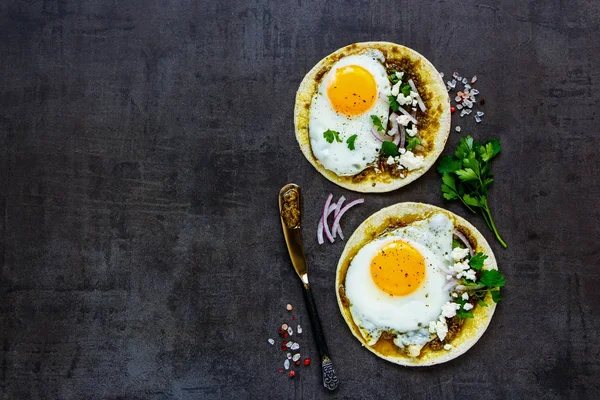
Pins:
<point x="355" y="88"/>
<point x="396" y="282"/>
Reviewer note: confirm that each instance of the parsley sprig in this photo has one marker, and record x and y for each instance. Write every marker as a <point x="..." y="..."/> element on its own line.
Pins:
<point x="466" y="176"/>
<point x="378" y="123"/>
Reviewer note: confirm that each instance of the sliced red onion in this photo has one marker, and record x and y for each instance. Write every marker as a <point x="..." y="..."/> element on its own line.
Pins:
<point x="320" y="226"/>
<point x="396" y="138"/>
<point x="463" y="287"/>
<point x="339" y="230"/>
<point x="394" y="121"/>
<point x="337" y="208"/>
<point x="325" y="215"/>
<point x="450" y="285"/>
<point x="376" y="135"/>
<point x="336" y="221"/>
<point x="445" y="270"/>
<point x="463" y="239"/>
<point x="412" y="119"/>
<point x="402" y="136"/>
<point x="419" y="99"/>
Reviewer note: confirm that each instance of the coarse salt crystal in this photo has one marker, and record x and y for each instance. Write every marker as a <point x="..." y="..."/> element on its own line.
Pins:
<point x="457" y="129"/>
<point x="459" y="106"/>
<point x="464" y="81"/>
<point x="467" y="87"/>
<point x="295" y="346"/>
<point x="296" y="357"/>
<point x="289" y="344"/>
<point x="463" y="113"/>
<point x="289" y="356"/>
<point x="458" y="98"/>
<point x="477" y="119"/>
<point x="442" y="74"/>
<point x="474" y="79"/>
<point x="452" y="84"/>
<point x="455" y="75"/>
<point x="467" y="111"/>
<point x="289" y="307"/>
<point x="480" y="113"/>
<point x="271" y="341"/>
<point x="474" y="92"/>
<point x="299" y="329"/>
<point x="468" y="103"/>
<point x="459" y="78"/>
<point x="290" y="331"/>
<point x="286" y="364"/>
<point x="284" y="327"/>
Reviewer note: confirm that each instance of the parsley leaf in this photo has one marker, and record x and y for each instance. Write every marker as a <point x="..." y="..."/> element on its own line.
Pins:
<point x="457" y="243"/>
<point x="405" y="89"/>
<point x="449" y="164"/>
<point x="331" y="135"/>
<point x="351" y="141"/>
<point x="394" y="105"/>
<point x="462" y="314"/>
<point x="492" y="278"/>
<point x="389" y="149"/>
<point x="476" y="262"/>
<point x="392" y="77"/>
<point x="412" y="142"/>
<point x="470" y="171"/>
<point x="377" y="122"/>
<point x="496" y="296"/>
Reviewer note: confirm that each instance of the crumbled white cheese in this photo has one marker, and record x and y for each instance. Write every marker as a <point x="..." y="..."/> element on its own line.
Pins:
<point x="399" y="75"/>
<point x="460" y="267"/>
<point x="390" y="160"/>
<point x="403" y="120"/>
<point x="447" y="347"/>
<point x="448" y="277"/>
<point x="432" y="327"/>
<point x="377" y="170"/>
<point x="465" y="296"/>
<point x="458" y="253"/>
<point x="415" y="102"/>
<point x="404" y="100"/>
<point x="454" y="295"/>
<point x="449" y="310"/>
<point x="413" y="94"/>
<point x="402" y="150"/>
<point x="441" y="328"/>
<point x="410" y="161"/>
<point x="412" y="132"/>
<point x="396" y="89"/>
<point x="468" y="306"/>
<point x="470" y="275"/>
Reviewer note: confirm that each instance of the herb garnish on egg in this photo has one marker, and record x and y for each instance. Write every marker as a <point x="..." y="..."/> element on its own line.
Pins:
<point x="330" y="135"/>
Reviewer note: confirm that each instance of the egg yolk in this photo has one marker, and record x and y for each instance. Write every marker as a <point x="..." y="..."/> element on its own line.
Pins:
<point x="352" y="91"/>
<point x="398" y="268"/>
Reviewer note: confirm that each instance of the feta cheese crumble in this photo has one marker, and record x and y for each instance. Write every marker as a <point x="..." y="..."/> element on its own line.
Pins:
<point x="403" y="120"/>
<point x="458" y="254"/>
<point x="448" y="346"/>
<point x="449" y="310"/>
<point x="410" y="161"/>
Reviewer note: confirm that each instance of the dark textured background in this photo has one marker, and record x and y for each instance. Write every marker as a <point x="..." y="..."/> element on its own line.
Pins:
<point x="142" y="147"/>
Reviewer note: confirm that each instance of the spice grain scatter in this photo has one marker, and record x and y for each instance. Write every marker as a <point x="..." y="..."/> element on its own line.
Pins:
<point x="291" y="349"/>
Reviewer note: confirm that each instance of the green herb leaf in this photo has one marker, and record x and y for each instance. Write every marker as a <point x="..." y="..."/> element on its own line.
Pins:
<point x="449" y="187"/>
<point x="389" y="149"/>
<point x="350" y="141"/>
<point x="377" y="122"/>
<point x="405" y="89"/>
<point x="492" y="278"/>
<point x="483" y="303"/>
<point x="394" y="105"/>
<point x="471" y="201"/>
<point x="467" y="174"/>
<point x="457" y="243"/>
<point x="462" y="314"/>
<point x="496" y="296"/>
<point x="476" y="262"/>
<point x="449" y="164"/>
<point x="331" y="135"/>
<point x="490" y="150"/>
<point x="393" y="78"/>
<point x="412" y="143"/>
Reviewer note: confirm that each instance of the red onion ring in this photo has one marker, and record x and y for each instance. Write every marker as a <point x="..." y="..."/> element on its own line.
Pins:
<point x="336" y="221"/>
<point x="412" y="119"/>
<point x="394" y="121"/>
<point x="396" y="139"/>
<point x="463" y="239"/>
<point x="320" y="226"/>
<point x="419" y="100"/>
<point x="376" y="135"/>
<point x="402" y="136"/>
<point x="325" y="214"/>
<point x="450" y="285"/>
<point x="337" y="209"/>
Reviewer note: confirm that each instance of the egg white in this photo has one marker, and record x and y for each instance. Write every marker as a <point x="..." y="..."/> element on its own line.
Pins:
<point x="407" y="317"/>
<point x="336" y="156"/>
